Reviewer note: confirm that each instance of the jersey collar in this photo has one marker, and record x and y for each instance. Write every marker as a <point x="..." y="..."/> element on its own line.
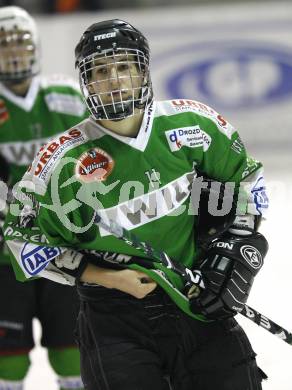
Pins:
<point x="141" y="141"/>
<point x="27" y="102"/>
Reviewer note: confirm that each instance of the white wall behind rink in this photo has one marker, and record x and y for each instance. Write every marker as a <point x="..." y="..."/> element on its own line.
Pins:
<point x="236" y="58"/>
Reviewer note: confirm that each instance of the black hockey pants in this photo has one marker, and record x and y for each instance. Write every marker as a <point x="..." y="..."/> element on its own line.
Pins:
<point x="149" y="344"/>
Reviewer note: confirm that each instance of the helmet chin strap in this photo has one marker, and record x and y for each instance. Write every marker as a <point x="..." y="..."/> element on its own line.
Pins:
<point x="13" y="82"/>
<point x="19" y="87"/>
<point x="14" y="79"/>
<point x="119" y="111"/>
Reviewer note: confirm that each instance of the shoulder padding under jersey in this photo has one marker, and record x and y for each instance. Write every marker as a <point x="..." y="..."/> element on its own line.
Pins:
<point x="181" y="106"/>
<point x="59" y="80"/>
<point x="62" y="95"/>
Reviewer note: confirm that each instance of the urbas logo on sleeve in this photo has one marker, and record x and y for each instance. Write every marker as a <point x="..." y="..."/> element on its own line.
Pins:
<point x="202" y="109"/>
<point x="50" y="153"/>
<point x="35" y="258"/>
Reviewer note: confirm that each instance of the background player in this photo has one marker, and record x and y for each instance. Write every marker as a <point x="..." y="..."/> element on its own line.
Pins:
<point x="33" y="108"/>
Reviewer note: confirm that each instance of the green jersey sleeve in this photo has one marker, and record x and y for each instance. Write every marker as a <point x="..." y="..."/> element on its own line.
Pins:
<point x="33" y="230"/>
<point x="217" y="151"/>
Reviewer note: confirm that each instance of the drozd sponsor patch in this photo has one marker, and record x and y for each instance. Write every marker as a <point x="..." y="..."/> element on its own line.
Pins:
<point x="192" y="137"/>
<point x="94" y="165"/>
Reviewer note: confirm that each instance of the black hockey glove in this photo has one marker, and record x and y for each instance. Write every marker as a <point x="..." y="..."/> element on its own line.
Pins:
<point x="228" y="271"/>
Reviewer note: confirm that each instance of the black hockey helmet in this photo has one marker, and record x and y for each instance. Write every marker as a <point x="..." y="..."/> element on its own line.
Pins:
<point x="111" y="44"/>
<point x="110" y="34"/>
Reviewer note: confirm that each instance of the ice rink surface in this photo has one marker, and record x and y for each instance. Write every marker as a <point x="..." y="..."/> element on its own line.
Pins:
<point x="271" y="293"/>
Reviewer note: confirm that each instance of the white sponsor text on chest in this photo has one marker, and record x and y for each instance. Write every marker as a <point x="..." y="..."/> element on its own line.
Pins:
<point x="193" y="136"/>
<point x="187" y="136"/>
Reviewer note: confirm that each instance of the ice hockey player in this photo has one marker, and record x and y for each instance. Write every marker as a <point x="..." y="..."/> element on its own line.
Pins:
<point x="138" y="161"/>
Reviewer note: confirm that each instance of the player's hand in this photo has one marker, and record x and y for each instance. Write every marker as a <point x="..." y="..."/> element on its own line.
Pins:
<point x="228" y="271"/>
<point x="135" y="283"/>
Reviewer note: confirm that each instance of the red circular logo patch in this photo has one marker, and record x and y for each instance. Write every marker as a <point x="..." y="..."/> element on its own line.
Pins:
<point x="94" y="165"/>
<point x="4" y="115"/>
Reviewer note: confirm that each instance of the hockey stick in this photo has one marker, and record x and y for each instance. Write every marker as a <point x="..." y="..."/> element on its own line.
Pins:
<point x="191" y="277"/>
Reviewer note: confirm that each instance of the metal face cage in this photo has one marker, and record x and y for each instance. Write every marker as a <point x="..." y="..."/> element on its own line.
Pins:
<point x="18" y="54"/>
<point x="116" y="83"/>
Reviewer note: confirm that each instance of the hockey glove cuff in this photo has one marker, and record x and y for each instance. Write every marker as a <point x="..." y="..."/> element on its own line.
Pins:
<point x="228" y="271"/>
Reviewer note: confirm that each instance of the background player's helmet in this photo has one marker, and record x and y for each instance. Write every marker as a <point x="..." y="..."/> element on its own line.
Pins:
<point x="19" y="45"/>
<point x="113" y="62"/>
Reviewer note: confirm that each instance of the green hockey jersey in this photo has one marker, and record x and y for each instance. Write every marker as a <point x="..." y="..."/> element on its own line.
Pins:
<point x="52" y="105"/>
<point x="142" y="183"/>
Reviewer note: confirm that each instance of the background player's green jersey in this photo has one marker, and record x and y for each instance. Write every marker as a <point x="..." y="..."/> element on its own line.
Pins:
<point x="143" y="183"/>
<point x="51" y="105"/>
